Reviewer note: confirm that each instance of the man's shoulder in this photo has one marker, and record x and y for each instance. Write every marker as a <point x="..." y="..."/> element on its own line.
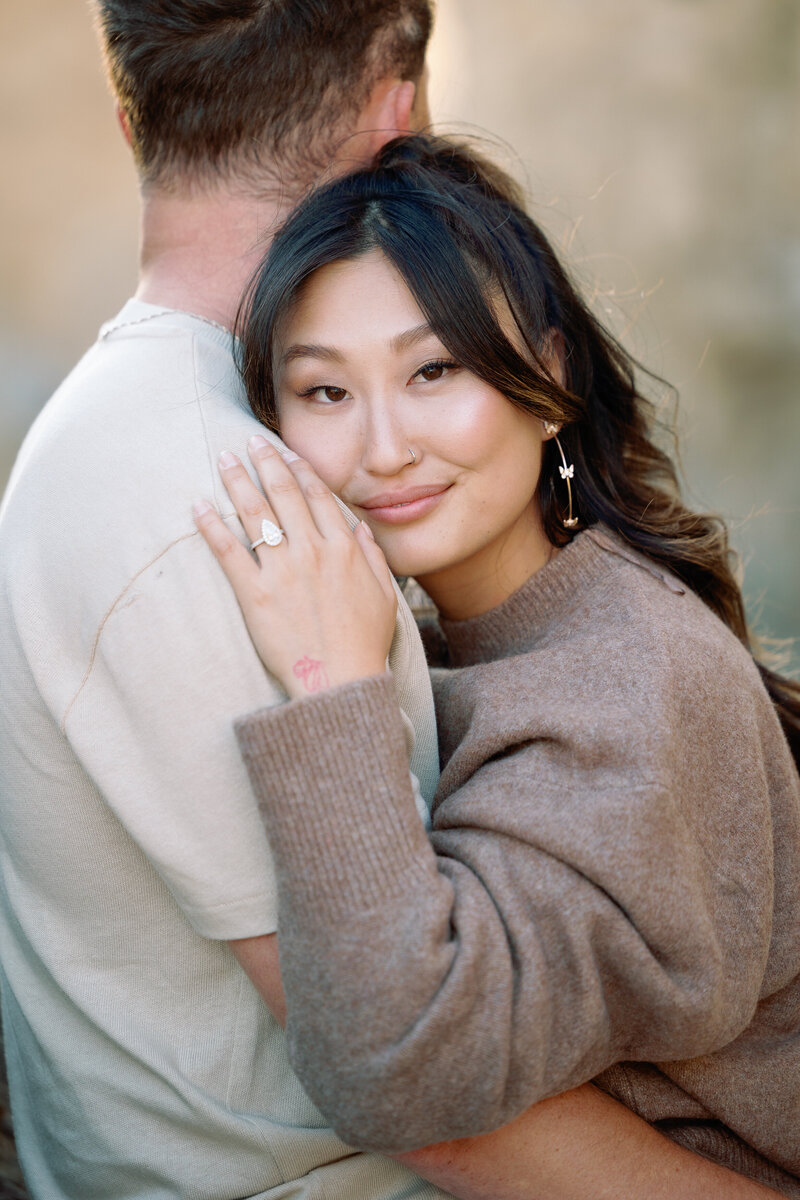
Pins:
<point x="154" y="395"/>
<point x="129" y="440"/>
<point x="147" y="353"/>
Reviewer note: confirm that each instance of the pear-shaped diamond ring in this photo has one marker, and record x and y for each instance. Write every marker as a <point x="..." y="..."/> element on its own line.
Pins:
<point x="271" y="535"/>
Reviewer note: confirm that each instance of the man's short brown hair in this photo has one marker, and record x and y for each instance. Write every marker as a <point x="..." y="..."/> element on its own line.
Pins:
<point x="219" y="86"/>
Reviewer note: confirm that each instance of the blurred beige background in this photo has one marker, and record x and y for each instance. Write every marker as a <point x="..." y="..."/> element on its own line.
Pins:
<point x="658" y="140"/>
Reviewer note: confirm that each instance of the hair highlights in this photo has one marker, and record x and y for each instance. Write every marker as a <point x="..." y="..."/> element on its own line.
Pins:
<point x="454" y="227"/>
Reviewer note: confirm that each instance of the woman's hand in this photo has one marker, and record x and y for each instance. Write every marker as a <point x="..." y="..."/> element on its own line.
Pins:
<point x="320" y="606"/>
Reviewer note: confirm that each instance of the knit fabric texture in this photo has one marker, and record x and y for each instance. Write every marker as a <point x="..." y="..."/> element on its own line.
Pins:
<point x="610" y="890"/>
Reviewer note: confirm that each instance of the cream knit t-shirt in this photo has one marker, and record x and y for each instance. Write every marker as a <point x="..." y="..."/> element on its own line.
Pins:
<point x="142" y="1062"/>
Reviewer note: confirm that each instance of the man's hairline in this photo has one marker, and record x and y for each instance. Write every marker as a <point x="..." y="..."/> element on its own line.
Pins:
<point x="237" y="172"/>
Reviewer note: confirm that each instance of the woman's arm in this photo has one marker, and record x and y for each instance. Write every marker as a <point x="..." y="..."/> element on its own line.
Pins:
<point x="554" y="924"/>
<point x="581" y="1145"/>
<point x="437" y="987"/>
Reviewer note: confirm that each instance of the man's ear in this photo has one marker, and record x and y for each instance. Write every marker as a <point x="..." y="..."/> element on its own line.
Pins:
<point x="124" y="124"/>
<point x="420" y="117"/>
<point x="388" y="112"/>
<point x="390" y="109"/>
<point x="400" y="101"/>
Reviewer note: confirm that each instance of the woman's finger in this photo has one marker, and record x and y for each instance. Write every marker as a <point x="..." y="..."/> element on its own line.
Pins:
<point x="283" y="491"/>
<point x="322" y="504"/>
<point x="376" y="560"/>
<point x="235" y="560"/>
<point x="252" y="506"/>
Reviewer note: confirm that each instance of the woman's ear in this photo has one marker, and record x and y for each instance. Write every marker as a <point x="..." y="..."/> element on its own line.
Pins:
<point x="555" y="356"/>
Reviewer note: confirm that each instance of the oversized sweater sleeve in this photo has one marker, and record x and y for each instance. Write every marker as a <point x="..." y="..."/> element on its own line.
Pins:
<point x="439" y="986"/>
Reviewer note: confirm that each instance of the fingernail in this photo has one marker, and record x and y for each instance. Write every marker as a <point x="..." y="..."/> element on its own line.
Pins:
<point x="258" y="441"/>
<point x="289" y="455"/>
<point x="367" y="530"/>
<point x="226" y="459"/>
<point x="200" y="507"/>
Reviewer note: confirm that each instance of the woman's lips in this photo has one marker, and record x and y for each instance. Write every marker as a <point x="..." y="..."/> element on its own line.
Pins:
<point x="400" y="507"/>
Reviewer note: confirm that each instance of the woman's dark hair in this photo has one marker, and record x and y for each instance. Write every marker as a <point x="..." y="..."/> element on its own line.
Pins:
<point x="455" y="228"/>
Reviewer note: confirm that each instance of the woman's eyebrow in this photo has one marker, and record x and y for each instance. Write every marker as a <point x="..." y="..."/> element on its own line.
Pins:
<point x="410" y="337"/>
<point x="328" y="353"/>
<point x="400" y="342"/>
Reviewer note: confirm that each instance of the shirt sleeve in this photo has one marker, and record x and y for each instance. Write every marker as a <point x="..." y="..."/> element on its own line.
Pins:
<point x="171" y="668"/>
<point x="562" y="916"/>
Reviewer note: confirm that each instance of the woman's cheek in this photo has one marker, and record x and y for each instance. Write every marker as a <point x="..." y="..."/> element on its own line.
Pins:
<point x="320" y="445"/>
<point x="469" y="422"/>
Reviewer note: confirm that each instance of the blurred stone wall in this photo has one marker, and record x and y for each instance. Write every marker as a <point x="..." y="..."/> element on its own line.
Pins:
<point x="658" y="143"/>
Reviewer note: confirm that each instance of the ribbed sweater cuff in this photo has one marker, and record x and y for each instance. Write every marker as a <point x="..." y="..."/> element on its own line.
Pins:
<point x="331" y="776"/>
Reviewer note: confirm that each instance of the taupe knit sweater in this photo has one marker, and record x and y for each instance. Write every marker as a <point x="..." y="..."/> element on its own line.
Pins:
<point x="611" y="888"/>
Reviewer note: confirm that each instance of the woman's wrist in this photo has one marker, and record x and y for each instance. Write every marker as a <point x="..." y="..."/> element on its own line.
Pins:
<point x="310" y="675"/>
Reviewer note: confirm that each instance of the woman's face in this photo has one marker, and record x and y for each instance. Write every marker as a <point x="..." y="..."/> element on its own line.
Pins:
<point x="364" y="387"/>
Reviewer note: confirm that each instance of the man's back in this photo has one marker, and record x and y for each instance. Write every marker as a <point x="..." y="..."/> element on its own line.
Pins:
<point x="142" y="1061"/>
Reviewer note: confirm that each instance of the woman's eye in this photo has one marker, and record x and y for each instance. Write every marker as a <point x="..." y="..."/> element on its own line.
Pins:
<point x="433" y="370"/>
<point x="325" y="393"/>
<point x="333" y="393"/>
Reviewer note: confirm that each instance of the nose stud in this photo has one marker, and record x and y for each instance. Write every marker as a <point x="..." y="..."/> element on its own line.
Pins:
<point x="413" y="457"/>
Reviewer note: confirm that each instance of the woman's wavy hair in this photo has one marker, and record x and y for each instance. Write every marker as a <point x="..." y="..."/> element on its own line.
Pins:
<point x="455" y="228"/>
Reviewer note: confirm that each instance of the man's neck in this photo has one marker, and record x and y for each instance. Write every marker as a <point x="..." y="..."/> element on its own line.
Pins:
<point x="200" y="246"/>
<point x="199" y="249"/>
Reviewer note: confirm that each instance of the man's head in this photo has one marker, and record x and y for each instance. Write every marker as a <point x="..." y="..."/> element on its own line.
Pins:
<point x="211" y="90"/>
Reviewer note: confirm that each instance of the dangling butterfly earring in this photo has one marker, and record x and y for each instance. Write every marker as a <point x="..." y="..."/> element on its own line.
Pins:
<point x="552" y="428"/>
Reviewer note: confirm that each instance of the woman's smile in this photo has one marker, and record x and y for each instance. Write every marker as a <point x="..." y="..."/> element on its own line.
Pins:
<point x="396" y="508"/>
<point x="602" y="732"/>
<point x="438" y="462"/>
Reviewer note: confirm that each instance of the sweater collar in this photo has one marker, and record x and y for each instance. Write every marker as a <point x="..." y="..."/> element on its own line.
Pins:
<point x="542" y="601"/>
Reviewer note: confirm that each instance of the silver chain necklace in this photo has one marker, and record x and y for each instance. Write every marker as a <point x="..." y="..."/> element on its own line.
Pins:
<point x="166" y="312"/>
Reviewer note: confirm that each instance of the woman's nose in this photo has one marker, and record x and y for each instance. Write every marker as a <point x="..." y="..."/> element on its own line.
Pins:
<point x="387" y="445"/>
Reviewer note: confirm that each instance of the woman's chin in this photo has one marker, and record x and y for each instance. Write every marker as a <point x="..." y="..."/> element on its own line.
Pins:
<point x="406" y="564"/>
<point x="415" y="562"/>
<point x="415" y="557"/>
<point x="401" y="568"/>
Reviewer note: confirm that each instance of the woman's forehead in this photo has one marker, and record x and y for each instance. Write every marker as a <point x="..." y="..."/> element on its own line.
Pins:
<point x="350" y="302"/>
